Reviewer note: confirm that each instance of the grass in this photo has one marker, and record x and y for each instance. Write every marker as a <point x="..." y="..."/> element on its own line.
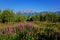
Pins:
<point x="40" y="30"/>
<point x="36" y="24"/>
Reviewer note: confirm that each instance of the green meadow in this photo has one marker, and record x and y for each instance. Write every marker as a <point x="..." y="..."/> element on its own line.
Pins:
<point x="15" y="26"/>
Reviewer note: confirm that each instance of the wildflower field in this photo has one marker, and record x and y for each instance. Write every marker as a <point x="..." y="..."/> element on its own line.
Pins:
<point x="31" y="31"/>
<point x="39" y="26"/>
<point x="29" y="19"/>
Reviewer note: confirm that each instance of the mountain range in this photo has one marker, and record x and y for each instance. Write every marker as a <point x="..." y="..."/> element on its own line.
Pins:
<point x="32" y="13"/>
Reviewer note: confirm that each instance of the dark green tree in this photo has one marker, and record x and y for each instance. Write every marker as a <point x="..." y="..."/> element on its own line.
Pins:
<point x="47" y="17"/>
<point x="0" y="16"/>
<point x="59" y="18"/>
<point x="36" y="17"/>
<point x="8" y="16"/>
<point x="21" y="18"/>
<point x="54" y="17"/>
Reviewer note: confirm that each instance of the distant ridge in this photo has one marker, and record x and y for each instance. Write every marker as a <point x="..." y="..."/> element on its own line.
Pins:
<point x="32" y="13"/>
<point x="58" y="12"/>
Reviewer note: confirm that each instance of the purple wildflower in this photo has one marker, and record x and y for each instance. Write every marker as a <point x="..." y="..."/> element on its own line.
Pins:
<point x="10" y="30"/>
<point x="4" y="34"/>
<point x="28" y="33"/>
<point x="29" y="24"/>
<point x="14" y="29"/>
<point x="21" y="25"/>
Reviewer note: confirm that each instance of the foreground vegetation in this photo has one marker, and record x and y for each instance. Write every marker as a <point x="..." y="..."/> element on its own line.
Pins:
<point x="22" y="27"/>
<point x="28" y="31"/>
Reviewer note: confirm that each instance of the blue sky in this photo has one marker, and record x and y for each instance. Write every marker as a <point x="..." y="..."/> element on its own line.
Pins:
<point x="36" y="5"/>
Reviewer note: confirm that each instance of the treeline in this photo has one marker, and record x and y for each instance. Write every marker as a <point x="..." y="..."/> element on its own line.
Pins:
<point x="10" y="16"/>
<point x="48" y="17"/>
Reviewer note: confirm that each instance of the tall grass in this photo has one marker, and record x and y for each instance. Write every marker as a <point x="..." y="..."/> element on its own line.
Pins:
<point x="28" y="31"/>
